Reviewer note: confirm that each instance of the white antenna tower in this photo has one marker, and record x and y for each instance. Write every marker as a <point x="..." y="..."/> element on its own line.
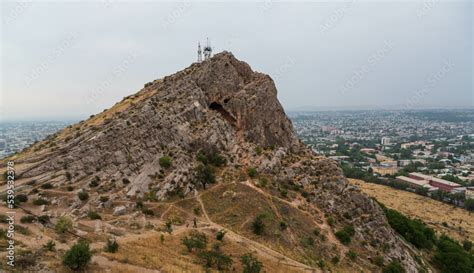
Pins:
<point x="207" y="50"/>
<point x="199" y="53"/>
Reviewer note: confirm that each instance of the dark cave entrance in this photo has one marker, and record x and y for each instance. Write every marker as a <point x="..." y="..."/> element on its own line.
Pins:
<point x="226" y="115"/>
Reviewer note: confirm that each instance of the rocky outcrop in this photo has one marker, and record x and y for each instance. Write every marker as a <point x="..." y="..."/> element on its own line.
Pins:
<point x="219" y="105"/>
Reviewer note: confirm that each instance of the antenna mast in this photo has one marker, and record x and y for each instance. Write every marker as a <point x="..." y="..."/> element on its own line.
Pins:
<point x="207" y="50"/>
<point x="199" y="53"/>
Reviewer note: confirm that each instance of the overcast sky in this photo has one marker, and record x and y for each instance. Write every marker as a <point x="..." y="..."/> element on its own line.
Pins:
<point x="71" y="60"/>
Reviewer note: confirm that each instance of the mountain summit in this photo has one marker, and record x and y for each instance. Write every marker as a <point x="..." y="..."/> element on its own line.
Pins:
<point x="206" y="149"/>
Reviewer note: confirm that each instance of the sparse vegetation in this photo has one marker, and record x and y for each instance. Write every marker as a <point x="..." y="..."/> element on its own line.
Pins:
<point x="196" y="240"/>
<point x="93" y="215"/>
<point x="165" y="161"/>
<point x="215" y="259"/>
<point x="344" y="235"/>
<point x="40" y="202"/>
<point x="252" y="172"/>
<point x="111" y="246"/>
<point x="63" y="225"/>
<point x="250" y="263"/>
<point x="50" y="245"/>
<point x="258" y="226"/>
<point x="394" y="267"/>
<point x="351" y="255"/>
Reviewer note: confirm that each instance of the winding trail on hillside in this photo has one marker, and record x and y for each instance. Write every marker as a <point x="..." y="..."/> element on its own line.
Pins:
<point x="261" y="249"/>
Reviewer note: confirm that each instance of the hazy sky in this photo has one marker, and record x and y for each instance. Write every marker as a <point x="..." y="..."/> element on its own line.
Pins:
<point x="71" y="60"/>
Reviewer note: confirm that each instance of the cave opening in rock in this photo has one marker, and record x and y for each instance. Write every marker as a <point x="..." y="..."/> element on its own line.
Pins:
<point x="226" y="115"/>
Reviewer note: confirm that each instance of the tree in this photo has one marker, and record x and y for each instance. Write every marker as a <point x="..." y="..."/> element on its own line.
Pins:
<point x="205" y="174"/>
<point x="250" y="263"/>
<point x="78" y="256"/>
<point x="469" y="204"/>
<point x="451" y="257"/>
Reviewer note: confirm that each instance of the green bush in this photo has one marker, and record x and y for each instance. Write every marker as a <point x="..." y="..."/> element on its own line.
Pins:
<point x="78" y="256"/>
<point x="258" y="150"/>
<point x="250" y="264"/>
<point x="93" y="215"/>
<point x="40" y="201"/>
<point x="46" y="186"/>
<point x="345" y="234"/>
<point x="195" y="240"/>
<point x="220" y="235"/>
<point x="111" y="246"/>
<point x="148" y="212"/>
<point x="378" y="261"/>
<point x="43" y="219"/>
<point x="252" y="172"/>
<point x="21" y="198"/>
<point x="125" y="181"/>
<point x="165" y="161"/>
<point x="27" y="219"/>
<point x="258" y="226"/>
<point x="63" y="225"/>
<point x="394" y="267"/>
<point x="103" y="198"/>
<point x="50" y="245"/>
<point x="351" y="255"/>
<point x="83" y="195"/>
<point x="283" y="226"/>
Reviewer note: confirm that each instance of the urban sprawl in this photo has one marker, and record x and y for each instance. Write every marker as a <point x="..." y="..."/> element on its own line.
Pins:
<point x="430" y="152"/>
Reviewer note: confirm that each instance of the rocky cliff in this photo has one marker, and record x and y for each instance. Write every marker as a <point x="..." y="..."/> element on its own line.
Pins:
<point x="217" y="108"/>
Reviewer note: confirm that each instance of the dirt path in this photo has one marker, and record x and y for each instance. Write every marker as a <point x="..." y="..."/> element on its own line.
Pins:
<point x="113" y="266"/>
<point x="325" y="226"/>
<point x="255" y="246"/>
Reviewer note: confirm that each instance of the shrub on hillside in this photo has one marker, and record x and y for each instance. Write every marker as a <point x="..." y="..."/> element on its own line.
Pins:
<point x="111" y="246"/>
<point x="63" y="225"/>
<point x="344" y="235"/>
<point x="250" y="263"/>
<point x="215" y="259"/>
<point x="252" y="172"/>
<point x="220" y="235"/>
<point x="195" y="240"/>
<point x="78" y="256"/>
<point x="93" y="215"/>
<point x="165" y="161"/>
<point x="394" y="267"/>
<point x="83" y="195"/>
<point x="258" y="226"/>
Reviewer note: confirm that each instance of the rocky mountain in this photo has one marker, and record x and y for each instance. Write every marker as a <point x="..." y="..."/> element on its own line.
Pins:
<point x="206" y="149"/>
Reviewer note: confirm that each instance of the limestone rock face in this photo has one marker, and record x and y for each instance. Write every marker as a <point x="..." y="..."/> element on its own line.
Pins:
<point x="218" y="106"/>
